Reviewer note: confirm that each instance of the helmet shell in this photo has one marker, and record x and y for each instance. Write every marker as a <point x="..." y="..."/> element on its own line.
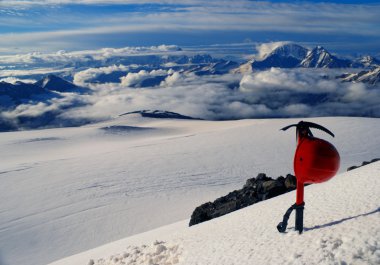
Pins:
<point x="315" y="160"/>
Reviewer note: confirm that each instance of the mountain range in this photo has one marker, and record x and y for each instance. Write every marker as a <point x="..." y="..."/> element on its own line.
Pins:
<point x="48" y="87"/>
<point x="293" y="56"/>
<point x="52" y="95"/>
<point x="371" y="77"/>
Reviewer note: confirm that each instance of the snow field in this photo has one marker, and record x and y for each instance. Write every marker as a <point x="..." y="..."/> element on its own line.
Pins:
<point x="341" y="227"/>
<point x="68" y="190"/>
<point x="156" y="253"/>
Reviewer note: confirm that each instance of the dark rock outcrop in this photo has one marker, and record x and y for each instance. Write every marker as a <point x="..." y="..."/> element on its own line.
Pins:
<point x="255" y="190"/>
<point x="363" y="164"/>
<point x="160" y="114"/>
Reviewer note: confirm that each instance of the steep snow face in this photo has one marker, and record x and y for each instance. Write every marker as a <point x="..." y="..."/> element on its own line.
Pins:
<point x="285" y="56"/>
<point x="293" y="55"/>
<point x="68" y="190"/>
<point x="371" y="77"/>
<point x="244" y="68"/>
<point x="319" y="57"/>
<point x="341" y="226"/>
<point x="290" y="50"/>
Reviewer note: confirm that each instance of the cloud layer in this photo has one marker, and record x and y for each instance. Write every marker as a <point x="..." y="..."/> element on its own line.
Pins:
<point x="265" y="94"/>
<point x="272" y="93"/>
<point x="168" y="78"/>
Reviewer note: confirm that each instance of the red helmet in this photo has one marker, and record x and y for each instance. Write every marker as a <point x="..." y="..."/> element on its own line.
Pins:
<point x="315" y="160"/>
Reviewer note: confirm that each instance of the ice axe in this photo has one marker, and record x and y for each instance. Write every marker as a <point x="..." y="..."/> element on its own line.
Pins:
<point x="315" y="161"/>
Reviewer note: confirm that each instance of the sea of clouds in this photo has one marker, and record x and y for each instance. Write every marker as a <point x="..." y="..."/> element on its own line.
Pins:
<point x="259" y="94"/>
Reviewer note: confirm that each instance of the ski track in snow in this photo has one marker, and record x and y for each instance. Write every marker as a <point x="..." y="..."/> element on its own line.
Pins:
<point x="73" y="189"/>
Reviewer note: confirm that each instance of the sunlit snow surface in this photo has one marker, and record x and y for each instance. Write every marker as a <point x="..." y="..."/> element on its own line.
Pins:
<point x="341" y="227"/>
<point x="64" y="191"/>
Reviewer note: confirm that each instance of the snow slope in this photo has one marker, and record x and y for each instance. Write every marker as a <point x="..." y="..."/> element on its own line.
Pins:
<point x="341" y="227"/>
<point x="64" y="191"/>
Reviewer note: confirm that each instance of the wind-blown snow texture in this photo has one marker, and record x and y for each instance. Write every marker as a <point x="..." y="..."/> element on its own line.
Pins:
<point x="341" y="227"/>
<point x="68" y="190"/>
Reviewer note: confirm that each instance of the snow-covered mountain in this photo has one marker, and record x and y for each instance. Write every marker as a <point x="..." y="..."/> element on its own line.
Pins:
<point x="68" y="190"/>
<point x="369" y="61"/>
<point x="319" y="57"/>
<point x="371" y="77"/>
<point x="14" y="94"/>
<point x="20" y="91"/>
<point x="108" y="75"/>
<point x="47" y="99"/>
<point x="285" y="56"/>
<point x="217" y="68"/>
<point x="46" y="86"/>
<point x="292" y="55"/>
<point x="55" y="83"/>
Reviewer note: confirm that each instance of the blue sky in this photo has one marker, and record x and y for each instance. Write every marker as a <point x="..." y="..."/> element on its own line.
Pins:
<point x="346" y="26"/>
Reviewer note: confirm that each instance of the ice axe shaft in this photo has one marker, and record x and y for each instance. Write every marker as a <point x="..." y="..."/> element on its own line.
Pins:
<point x="299" y="218"/>
<point x="300" y="188"/>
<point x="299" y="207"/>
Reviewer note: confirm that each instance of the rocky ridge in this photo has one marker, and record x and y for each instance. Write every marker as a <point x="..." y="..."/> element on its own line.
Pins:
<point x="255" y="190"/>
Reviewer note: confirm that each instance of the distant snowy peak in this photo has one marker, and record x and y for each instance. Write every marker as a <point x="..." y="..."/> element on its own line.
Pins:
<point x="217" y="68"/>
<point x="160" y="114"/>
<point x="293" y="55"/>
<point x="368" y="61"/>
<point x="20" y="90"/>
<point x="319" y="57"/>
<point x="285" y="56"/>
<point x="371" y="77"/>
<point x="55" y="83"/>
<point x="290" y="50"/>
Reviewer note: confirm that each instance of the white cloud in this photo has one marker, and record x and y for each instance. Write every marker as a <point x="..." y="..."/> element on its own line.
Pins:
<point x="298" y="109"/>
<point x="84" y="77"/>
<point x="132" y="79"/>
<point x="14" y="80"/>
<point x="172" y="78"/>
<point x="31" y="72"/>
<point x="73" y="57"/>
<point x="259" y="95"/>
<point x="272" y="93"/>
<point x="90" y="2"/>
<point x="355" y="92"/>
<point x="193" y="15"/>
